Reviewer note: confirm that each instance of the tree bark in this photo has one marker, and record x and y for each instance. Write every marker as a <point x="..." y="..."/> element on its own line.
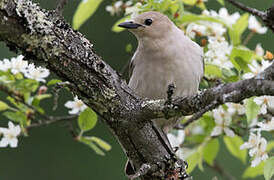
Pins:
<point x="44" y="37"/>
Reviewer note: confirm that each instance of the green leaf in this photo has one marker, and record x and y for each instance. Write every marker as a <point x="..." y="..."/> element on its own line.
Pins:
<point x="252" y="172"/>
<point x="116" y="28"/>
<point x="211" y="150"/>
<point x="53" y="81"/>
<point x="240" y="57"/>
<point x="89" y="142"/>
<point x="207" y="121"/>
<point x="238" y="28"/>
<point x="193" y="160"/>
<point x="252" y="110"/>
<point x="189" y="2"/>
<point x="213" y="70"/>
<point x="175" y="7"/>
<point x="87" y="119"/>
<point x="221" y="2"/>
<point x="201" y="5"/>
<point x="84" y="11"/>
<point x="200" y="160"/>
<point x="103" y="144"/>
<point x="6" y="77"/>
<point x="19" y="76"/>
<point x="11" y="116"/>
<point x="270" y="146"/>
<point x="269" y="168"/>
<point x="233" y="145"/>
<point x="43" y="96"/>
<point x="26" y="85"/>
<point x="16" y="117"/>
<point x="189" y="17"/>
<point x="3" y="106"/>
<point x="36" y="102"/>
<point x="196" y="139"/>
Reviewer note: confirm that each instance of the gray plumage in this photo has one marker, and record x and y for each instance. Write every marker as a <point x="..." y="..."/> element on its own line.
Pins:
<point x="164" y="56"/>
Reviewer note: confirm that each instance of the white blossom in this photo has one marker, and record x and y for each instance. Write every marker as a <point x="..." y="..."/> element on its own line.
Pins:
<point x="259" y="50"/>
<point x="222" y="119"/>
<point x="176" y="141"/>
<point x="253" y="141"/>
<point x="76" y="106"/>
<point x="257" y="146"/>
<point x="218" y="51"/>
<point x="115" y="8"/>
<point x="193" y="29"/>
<point x="259" y="152"/>
<point x="266" y="126"/>
<point x="10" y="135"/>
<point x="264" y="102"/>
<point x="256" y="68"/>
<point x="5" y="65"/>
<point x="223" y="14"/>
<point x="133" y="10"/>
<point x="215" y="29"/>
<point x="255" y="26"/>
<point x="37" y="73"/>
<point x="18" y="64"/>
<point x="235" y="108"/>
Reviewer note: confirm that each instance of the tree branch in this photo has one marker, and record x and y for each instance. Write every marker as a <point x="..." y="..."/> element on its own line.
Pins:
<point x="44" y="37"/>
<point x="267" y="17"/>
<point x="52" y="120"/>
<point x="219" y="168"/>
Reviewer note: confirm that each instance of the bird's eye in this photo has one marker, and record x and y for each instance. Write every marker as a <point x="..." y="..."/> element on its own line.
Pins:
<point x="148" y="22"/>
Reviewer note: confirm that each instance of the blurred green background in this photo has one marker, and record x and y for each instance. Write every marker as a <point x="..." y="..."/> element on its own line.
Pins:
<point x="50" y="153"/>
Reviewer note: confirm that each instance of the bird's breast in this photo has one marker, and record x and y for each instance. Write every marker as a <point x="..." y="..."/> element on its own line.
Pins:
<point x="154" y="71"/>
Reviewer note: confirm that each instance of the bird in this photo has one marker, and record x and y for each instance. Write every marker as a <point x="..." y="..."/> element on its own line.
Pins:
<point x="164" y="56"/>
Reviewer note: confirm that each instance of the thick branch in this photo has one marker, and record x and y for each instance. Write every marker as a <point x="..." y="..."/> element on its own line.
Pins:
<point x="43" y="36"/>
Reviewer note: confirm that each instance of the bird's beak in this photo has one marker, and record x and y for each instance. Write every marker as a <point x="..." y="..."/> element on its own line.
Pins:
<point x="129" y="25"/>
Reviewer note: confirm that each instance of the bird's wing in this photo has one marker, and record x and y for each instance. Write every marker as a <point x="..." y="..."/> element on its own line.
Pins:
<point x="132" y="64"/>
<point x="130" y="68"/>
<point x="203" y="62"/>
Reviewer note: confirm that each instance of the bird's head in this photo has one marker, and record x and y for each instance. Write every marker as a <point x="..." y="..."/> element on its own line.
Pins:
<point x="150" y="24"/>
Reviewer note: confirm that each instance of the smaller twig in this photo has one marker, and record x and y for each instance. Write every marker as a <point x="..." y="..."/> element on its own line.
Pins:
<point x="248" y="37"/>
<point x="60" y="6"/>
<point x="217" y="167"/>
<point x="52" y="120"/>
<point x="253" y="11"/>
<point x="197" y="115"/>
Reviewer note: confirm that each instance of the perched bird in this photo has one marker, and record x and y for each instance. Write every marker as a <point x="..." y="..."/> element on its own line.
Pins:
<point x="164" y="56"/>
